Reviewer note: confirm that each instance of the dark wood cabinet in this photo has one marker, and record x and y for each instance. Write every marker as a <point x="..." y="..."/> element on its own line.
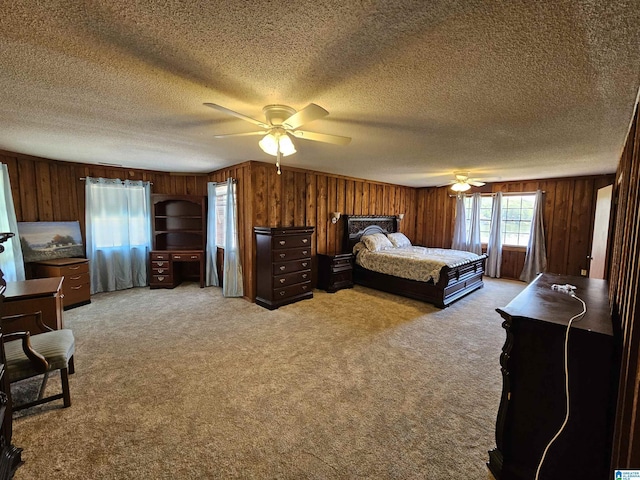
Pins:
<point x="533" y="403"/>
<point x="76" y="288"/>
<point x="179" y="239"/>
<point x="335" y="272"/>
<point x="284" y="265"/>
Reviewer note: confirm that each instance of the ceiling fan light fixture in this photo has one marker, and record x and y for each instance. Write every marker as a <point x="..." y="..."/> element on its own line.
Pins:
<point x="269" y="144"/>
<point x="460" y="187"/>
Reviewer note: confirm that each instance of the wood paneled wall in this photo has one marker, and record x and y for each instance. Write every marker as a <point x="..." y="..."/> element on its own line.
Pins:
<point x="49" y="190"/>
<point x="569" y="210"/>
<point x="304" y="197"/>
<point x="624" y="294"/>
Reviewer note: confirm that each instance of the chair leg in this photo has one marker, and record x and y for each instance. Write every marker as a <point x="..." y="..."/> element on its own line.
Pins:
<point x="72" y="367"/>
<point x="43" y="386"/>
<point x="66" y="394"/>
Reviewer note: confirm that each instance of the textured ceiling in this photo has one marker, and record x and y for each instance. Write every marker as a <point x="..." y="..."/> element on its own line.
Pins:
<point x="507" y="90"/>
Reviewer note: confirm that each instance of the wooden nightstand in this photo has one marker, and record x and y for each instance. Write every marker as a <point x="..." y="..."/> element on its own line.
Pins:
<point x="335" y="272"/>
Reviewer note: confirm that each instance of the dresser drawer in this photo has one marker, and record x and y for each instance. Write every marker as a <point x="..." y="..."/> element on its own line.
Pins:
<point x="160" y="256"/>
<point x="186" y="257"/>
<point x="339" y="264"/>
<point x="291" y="278"/>
<point x="291" y="241"/>
<point x="75" y="279"/>
<point x="72" y="270"/>
<point x="162" y="280"/>
<point x="160" y="264"/>
<point x="76" y="293"/>
<point x="161" y="271"/>
<point x="341" y="279"/>
<point x="288" y="267"/>
<point x="291" y="254"/>
<point x="291" y="291"/>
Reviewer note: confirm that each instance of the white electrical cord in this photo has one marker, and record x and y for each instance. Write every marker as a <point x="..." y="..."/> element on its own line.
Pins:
<point x="566" y="378"/>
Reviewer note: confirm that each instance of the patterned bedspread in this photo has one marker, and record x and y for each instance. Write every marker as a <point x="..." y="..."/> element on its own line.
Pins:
<point x="415" y="263"/>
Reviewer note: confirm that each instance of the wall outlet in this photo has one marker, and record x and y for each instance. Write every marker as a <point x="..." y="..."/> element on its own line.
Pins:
<point x="583" y="272"/>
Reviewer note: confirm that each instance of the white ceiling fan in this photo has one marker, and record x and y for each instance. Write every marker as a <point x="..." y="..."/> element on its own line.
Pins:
<point x="462" y="183"/>
<point x="283" y="122"/>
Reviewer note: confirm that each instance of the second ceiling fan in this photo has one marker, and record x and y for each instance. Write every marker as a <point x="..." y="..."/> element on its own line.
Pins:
<point x="283" y="122"/>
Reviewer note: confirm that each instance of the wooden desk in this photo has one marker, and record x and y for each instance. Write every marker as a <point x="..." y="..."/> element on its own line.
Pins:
<point x="39" y="294"/>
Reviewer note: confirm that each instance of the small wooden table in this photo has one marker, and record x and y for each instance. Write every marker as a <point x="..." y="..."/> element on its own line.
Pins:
<point x="38" y="294"/>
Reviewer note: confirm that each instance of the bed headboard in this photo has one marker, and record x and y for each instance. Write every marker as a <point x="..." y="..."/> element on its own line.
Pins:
<point x="359" y="225"/>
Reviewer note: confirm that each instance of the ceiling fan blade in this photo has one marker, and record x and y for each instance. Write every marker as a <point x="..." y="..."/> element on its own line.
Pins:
<point x="321" y="137"/>
<point x="475" y="183"/>
<point x="236" y="114"/>
<point x="308" y="114"/>
<point x="245" y="134"/>
<point x="447" y="184"/>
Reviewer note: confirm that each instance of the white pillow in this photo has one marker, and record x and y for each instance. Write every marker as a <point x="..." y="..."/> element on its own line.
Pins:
<point x="376" y="242"/>
<point x="399" y="240"/>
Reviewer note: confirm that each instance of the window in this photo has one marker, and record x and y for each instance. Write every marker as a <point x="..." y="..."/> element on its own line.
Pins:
<point x="221" y="212"/>
<point x="517" y="213"/>
<point x="485" y="216"/>
<point x="122" y="218"/>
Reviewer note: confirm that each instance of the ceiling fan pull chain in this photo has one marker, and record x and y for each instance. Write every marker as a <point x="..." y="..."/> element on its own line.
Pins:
<point x="278" y="160"/>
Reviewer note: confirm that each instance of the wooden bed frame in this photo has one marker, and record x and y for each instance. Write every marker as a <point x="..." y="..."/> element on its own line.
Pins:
<point x="455" y="282"/>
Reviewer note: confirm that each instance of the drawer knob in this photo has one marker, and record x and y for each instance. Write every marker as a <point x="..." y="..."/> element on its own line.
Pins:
<point x="75" y="278"/>
<point x="282" y="280"/>
<point x="76" y="288"/>
<point x="304" y="287"/>
<point x="161" y="279"/>
<point x="177" y="257"/>
<point x="74" y="268"/>
<point x="160" y="264"/>
<point x="282" y="255"/>
<point x="282" y="294"/>
<point x="161" y="270"/>
<point x="304" y="264"/>
<point x="282" y="242"/>
<point x="304" y="252"/>
<point x="194" y="257"/>
<point x="282" y="268"/>
<point x="305" y="240"/>
<point x="304" y="275"/>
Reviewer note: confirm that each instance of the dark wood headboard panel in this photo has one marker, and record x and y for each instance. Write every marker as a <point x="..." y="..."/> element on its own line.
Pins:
<point x="359" y="225"/>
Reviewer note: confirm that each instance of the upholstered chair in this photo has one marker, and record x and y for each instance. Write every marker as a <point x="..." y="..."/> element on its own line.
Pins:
<point x="39" y="354"/>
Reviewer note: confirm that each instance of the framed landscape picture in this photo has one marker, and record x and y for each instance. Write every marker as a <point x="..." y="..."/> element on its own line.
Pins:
<point x="49" y="240"/>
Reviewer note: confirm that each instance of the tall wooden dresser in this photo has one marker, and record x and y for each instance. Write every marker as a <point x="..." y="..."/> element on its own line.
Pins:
<point x="284" y="263"/>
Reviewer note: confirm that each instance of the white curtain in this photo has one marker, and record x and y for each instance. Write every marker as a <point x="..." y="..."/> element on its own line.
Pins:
<point x="118" y="224"/>
<point x="212" y="248"/>
<point x="460" y="227"/>
<point x="232" y="268"/>
<point x="473" y="242"/>
<point x="536" y="258"/>
<point x="11" y="262"/>
<point x="494" y="246"/>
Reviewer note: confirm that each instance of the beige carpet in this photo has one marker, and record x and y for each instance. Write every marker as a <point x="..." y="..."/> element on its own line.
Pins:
<point x="185" y="384"/>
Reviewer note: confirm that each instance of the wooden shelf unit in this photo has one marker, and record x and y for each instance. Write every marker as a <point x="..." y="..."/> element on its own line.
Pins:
<point x="179" y="239"/>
